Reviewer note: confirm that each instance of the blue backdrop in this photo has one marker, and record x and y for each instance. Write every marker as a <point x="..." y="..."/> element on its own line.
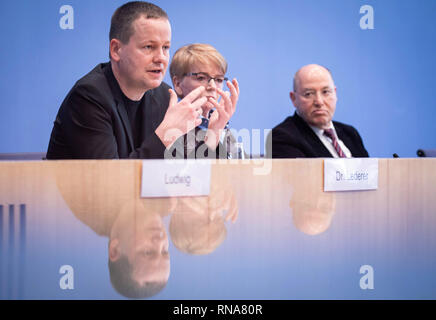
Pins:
<point x="384" y="76"/>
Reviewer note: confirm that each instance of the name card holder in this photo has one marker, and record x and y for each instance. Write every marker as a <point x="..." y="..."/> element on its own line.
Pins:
<point x="175" y="178"/>
<point x="350" y="174"/>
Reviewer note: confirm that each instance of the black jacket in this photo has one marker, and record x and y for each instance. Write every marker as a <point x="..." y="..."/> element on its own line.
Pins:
<point x="92" y="122"/>
<point x="293" y="138"/>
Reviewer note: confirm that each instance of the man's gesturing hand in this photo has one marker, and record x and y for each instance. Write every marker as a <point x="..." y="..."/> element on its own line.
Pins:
<point x="182" y="116"/>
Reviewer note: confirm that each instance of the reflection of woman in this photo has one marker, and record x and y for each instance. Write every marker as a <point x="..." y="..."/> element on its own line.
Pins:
<point x="198" y="223"/>
<point x="312" y="211"/>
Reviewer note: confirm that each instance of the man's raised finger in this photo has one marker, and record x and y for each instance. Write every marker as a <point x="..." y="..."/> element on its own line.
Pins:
<point x="198" y="103"/>
<point x="173" y="98"/>
<point x="194" y="94"/>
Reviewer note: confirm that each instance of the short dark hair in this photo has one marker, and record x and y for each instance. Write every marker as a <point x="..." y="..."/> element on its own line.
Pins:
<point x="123" y="17"/>
<point x="120" y="272"/>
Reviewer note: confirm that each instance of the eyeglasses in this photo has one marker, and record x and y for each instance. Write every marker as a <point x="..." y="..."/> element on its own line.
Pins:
<point x="311" y="94"/>
<point x="204" y="78"/>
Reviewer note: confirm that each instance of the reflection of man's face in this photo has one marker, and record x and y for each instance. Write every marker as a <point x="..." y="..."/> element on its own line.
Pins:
<point x="312" y="221"/>
<point x="315" y="96"/>
<point x="149" y="254"/>
<point x="145" y="243"/>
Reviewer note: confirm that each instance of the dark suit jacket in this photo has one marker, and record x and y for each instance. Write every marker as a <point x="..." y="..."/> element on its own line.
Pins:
<point x="92" y="122"/>
<point x="293" y="138"/>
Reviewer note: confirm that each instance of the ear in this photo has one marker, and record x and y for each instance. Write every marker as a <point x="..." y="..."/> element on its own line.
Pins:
<point x="177" y="88"/>
<point x="115" y="47"/>
<point x="114" y="250"/>
<point x="293" y="98"/>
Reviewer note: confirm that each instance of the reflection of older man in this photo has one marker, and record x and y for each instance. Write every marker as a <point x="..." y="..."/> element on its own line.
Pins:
<point x="313" y="215"/>
<point x="310" y="132"/>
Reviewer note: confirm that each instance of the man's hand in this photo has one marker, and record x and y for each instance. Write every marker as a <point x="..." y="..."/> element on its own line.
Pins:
<point x="182" y="116"/>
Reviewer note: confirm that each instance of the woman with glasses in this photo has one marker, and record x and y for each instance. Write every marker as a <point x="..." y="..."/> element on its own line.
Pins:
<point x="196" y="65"/>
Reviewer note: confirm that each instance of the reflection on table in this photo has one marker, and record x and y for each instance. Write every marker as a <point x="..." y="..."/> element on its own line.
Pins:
<point x="275" y="235"/>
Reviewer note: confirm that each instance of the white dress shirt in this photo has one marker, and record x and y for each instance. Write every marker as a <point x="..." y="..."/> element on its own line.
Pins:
<point x="328" y="142"/>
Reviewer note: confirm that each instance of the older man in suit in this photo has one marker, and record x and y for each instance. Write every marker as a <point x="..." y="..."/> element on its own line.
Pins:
<point x="311" y="132"/>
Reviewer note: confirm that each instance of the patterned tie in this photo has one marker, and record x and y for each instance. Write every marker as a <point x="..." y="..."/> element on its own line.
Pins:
<point x="330" y="134"/>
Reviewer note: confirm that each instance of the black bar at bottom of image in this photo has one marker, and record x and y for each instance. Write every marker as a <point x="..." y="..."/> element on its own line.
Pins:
<point x="219" y="309"/>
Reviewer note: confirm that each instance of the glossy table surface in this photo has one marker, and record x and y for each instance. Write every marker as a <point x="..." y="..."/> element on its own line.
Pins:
<point x="79" y="230"/>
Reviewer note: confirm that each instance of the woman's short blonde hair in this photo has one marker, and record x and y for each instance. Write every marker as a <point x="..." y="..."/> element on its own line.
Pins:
<point x="197" y="53"/>
<point x="197" y="233"/>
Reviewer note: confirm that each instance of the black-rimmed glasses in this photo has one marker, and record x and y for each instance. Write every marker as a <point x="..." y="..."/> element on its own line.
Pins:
<point x="204" y="78"/>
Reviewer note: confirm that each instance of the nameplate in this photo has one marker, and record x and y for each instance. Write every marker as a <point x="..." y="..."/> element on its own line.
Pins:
<point x="175" y="178"/>
<point x="350" y="174"/>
